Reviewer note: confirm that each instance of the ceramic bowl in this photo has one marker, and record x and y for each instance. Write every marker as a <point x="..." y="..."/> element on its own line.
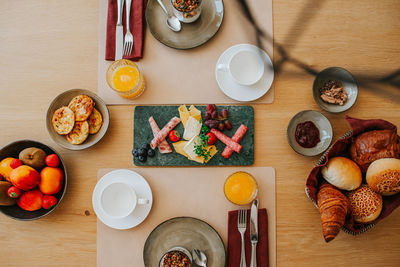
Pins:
<point x="12" y="150"/>
<point x="349" y="85"/>
<point x="180" y="249"/>
<point x="63" y="99"/>
<point x="323" y="125"/>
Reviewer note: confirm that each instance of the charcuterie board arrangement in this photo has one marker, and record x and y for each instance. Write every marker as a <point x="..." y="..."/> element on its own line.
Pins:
<point x="193" y="136"/>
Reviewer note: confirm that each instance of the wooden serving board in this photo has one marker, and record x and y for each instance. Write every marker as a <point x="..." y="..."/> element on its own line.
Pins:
<point x="162" y="114"/>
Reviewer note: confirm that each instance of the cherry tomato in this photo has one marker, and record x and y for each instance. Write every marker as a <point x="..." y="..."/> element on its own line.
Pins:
<point x="52" y="160"/>
<point x="14" y="192"/>
<point x="211" y="138"/>
<point x="49" y="201"/>
<point x="174" y="136"/>
<point x="15" y="163"/>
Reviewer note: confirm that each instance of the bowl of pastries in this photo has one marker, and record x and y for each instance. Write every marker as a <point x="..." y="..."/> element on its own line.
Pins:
<point x="356" y="183"/>
<point x="77" y="119"/>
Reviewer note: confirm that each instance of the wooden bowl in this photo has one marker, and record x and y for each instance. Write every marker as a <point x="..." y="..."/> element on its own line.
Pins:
<point x="63" y="99"/>
<point x="12" y="150"/>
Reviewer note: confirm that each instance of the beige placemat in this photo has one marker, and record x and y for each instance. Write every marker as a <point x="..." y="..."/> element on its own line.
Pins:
<point x="188" y="76"/>
<point x="194" y="192"/>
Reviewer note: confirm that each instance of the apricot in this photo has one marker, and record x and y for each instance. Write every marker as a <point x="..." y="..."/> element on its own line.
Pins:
<point x="24" y="177"/>
<point x="5" y="168"/>
<point x="51" y="180"/>
<point x="30" y="200"/>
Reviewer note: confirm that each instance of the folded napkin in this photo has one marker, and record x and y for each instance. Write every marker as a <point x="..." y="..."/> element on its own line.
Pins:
<point x="235" y="241"/>
<point x="136" y="25"/>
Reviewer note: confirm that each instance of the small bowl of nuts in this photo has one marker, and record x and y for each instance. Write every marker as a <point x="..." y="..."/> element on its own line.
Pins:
<point x="187" y="11"/>
<point x="335" y="90"/>
<point x="176" y="256"/>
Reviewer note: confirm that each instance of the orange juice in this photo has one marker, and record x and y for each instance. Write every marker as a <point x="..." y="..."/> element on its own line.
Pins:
<point x="124" y="77"/>
<point x="241" y="188"/>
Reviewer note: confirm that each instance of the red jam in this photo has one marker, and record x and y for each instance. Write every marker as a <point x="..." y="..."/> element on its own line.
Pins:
<point x="307" y="134"/>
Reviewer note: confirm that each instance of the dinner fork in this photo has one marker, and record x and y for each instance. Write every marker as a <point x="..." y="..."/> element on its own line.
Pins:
<point x="242" y="221"/>
<point x="128" y="42"/>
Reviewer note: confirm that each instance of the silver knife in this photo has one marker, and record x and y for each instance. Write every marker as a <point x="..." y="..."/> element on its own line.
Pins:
<point x="254" y="232"/>
<point x="119" y="31"/>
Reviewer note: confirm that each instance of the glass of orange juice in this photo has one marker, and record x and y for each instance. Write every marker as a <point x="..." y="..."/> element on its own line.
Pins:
<point x="240" y="188"/>
<point x="125" y="78"/>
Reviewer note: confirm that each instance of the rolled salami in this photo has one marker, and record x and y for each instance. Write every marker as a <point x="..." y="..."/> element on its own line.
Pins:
<point x="164" y="132"/>
<point x="236" y="137"/>
<point x="163" y="147"/>
<point x="227" y="141"/>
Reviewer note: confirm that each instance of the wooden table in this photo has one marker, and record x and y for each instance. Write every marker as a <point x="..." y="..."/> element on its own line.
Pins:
<point x="48" y="47"/>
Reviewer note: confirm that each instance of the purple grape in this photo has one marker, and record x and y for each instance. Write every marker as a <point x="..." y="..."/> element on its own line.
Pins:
<point x="224" y="113"/>
<point x="214" y="114"/>
<point x="210" y="108"/>
<point x="207" y="116"/>
<point x="211" y="123"/>
<point x="228" y="125"/>
<point x="221" y="126"/>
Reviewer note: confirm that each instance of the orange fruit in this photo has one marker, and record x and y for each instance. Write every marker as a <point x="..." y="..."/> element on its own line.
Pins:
<point x="5" y="168"/>
<point x="51" y="180"/>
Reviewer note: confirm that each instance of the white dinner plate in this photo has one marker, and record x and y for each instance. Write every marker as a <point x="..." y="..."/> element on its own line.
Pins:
<point x="241" y="92"/>
<point x="142" y="189"/>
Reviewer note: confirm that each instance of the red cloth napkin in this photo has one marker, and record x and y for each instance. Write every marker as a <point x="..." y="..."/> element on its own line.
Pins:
<point x="136" y="25"/>
<point x="340" y="148"/>
<point x="235" y="241"/>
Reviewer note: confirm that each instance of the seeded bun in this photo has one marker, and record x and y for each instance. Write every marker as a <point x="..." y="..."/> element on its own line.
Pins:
<point x="342" y="173"/>
<point x="383" y="176"/>
<point x="365" y="204"/>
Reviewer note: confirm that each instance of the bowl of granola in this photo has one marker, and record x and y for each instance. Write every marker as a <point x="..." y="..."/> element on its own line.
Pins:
<point x="335" y="90"/>
<point x="176" y="256"/>
<point x="187" y="11"/>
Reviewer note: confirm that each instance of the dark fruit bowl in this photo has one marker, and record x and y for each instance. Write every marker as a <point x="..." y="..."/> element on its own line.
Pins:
<point x="12" y="150"/>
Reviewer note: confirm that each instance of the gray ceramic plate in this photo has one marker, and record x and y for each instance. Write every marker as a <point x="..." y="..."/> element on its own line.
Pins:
<point x="349" y="84"/>
<point x="63" y="99"/>
<point x="184" y="232"/>
<point x="192" y="34"/>
<point x="323" y="125"/>
<point x="12" y="150"/>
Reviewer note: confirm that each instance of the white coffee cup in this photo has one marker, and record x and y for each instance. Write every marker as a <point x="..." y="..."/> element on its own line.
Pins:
<point x="245" y="67"/>
<point x="119" y="200"/>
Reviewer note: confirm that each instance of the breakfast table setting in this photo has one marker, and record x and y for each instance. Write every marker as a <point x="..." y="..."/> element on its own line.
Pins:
<point x="165" y="133"/>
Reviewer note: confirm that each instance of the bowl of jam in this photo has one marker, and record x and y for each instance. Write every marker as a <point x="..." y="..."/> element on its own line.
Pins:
<point x="309" y="133"/>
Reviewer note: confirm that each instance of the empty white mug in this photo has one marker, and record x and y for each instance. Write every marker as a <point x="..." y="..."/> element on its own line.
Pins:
<point x="119" y="200"/>
<point x="246" y="67"/>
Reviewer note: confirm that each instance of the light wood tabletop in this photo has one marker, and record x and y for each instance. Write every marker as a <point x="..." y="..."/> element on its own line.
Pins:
<point x="48" y="47"/>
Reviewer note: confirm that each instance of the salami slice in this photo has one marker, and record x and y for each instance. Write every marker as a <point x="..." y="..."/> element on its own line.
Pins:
<point x="161" y="135"/>
<point x="227" y="141"/>
<point x="163" y="147"/>
<point x="236" y="137"/>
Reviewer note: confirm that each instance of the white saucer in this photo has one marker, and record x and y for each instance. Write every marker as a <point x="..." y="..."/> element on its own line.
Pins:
<point x="142" y="189"/>
<point x="240" y="92"/>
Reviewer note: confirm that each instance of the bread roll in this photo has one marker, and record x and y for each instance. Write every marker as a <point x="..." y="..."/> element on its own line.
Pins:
<point x="342" y="173"/>
<point x="365" y="204"/>
<point x="383" y="176"/>
<point x="374" y="145"/>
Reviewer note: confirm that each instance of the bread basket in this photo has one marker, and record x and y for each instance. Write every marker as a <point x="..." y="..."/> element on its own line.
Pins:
<point x="340" y="148"/>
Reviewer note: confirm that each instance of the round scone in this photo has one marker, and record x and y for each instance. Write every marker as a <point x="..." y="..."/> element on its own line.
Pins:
<point x="365" y="204"/>
<point x="383" y="176"/>
<point x="95" y="121"/>
<point x="82" y="106"/>
<point x="63" y="120"/>
<point x="342" y="173"/>
<point x="79" y="134"/>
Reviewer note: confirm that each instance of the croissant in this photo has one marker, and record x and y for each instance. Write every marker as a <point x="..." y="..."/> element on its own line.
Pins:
<point x="333" y="207"/>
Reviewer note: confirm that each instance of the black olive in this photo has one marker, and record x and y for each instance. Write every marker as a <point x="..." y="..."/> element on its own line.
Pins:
<point x="151" y="153"/>
<point x="135" y="152"/>
<point x="142" y="152"/>
<point x="142" y="158"/>
<point x="145" y="146"/>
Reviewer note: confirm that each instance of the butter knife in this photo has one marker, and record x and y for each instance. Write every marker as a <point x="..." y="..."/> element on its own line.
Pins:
<point x="254" y="232"/>
<point x="119" y="31"/>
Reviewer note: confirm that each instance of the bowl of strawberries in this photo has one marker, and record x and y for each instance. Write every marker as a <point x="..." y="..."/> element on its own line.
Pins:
<point x="33" y="180"/>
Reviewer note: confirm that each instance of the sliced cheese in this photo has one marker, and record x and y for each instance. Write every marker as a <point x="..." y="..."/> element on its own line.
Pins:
<point x="189" y="149"/>
<point x="213" y="150"/>
<point x="183" y="114"/>
<point x="178" y="146"/>
<point x="192" y="128"/>
<point x="195" y="113"/>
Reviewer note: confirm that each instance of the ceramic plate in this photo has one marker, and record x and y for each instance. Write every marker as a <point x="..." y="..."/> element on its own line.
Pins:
<point x="349" y="85"/>
<point x="240" y="92"/>
<point x="192" y="34"/>
<point x="323" y="125"/>
<point x="142" y="189"/>
<point x="63" y="99"/>
<point x="185" y="232"/>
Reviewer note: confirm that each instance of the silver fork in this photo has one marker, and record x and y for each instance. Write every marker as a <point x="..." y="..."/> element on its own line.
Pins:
<point x="242" y="220"/>
<point x="128" y="42"/>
